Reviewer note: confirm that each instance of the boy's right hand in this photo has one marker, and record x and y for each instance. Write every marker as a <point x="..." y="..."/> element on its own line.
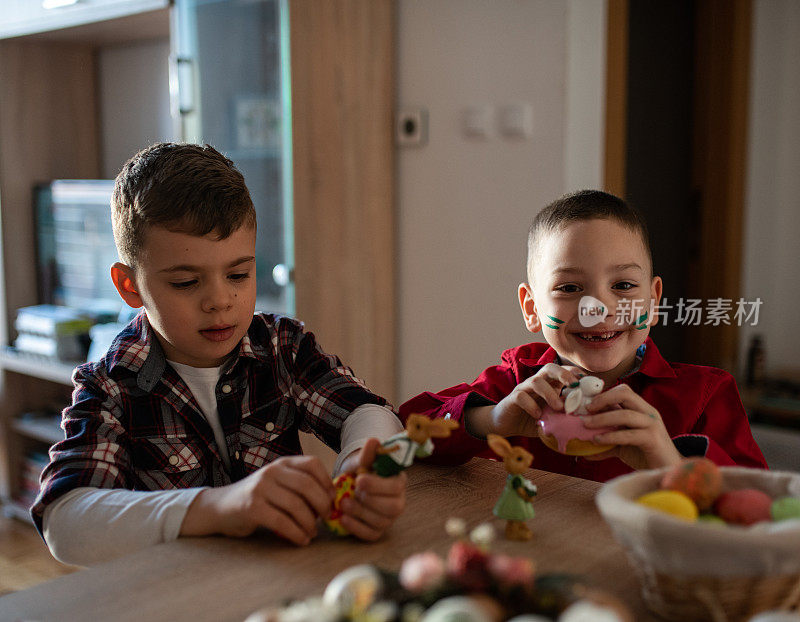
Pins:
<point x="518" y="412"/>
<point x="286" y="496"/>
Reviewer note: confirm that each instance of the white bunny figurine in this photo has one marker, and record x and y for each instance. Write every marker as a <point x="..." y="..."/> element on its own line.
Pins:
<point x="579" y="395"/>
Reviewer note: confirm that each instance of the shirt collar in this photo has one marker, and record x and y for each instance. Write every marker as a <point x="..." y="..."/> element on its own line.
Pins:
<point x="137" y="350"/>
<point x="651" y="364"/>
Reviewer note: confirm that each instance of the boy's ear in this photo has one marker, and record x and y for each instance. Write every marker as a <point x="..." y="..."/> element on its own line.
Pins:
<point x="656" y="287"/>
<point x="125" y="282"/>
<point x="528" y="307"/>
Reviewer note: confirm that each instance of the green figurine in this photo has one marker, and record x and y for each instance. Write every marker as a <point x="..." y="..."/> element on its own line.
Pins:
<point x="514" y="504"/>
<point x="397" y="453"/>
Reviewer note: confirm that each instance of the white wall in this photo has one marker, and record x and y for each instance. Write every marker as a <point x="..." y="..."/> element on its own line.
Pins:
<point x="465" y="203"/>
<point x="772" y="212"/>
<point x="134" y="98"/>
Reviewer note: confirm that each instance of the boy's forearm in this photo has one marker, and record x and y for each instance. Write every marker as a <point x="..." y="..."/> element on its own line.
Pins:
<point x="366" y="421"/>
<point x="87" y="526"/>
<point x="478" y="420"/>
<point x="203" y="517"/>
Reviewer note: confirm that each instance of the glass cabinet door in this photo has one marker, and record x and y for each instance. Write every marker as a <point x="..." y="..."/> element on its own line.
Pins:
<point x="229" y="87"/>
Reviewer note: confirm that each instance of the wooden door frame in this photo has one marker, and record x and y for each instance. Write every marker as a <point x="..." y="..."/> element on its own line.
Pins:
<point x="722" y="51"/>
<point x="342" y="59"/>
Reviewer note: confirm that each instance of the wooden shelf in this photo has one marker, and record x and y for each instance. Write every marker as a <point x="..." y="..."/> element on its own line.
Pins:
<point x="37" y="366"/>
<point x="48" y="432"/>
<point x="14" y="509"/>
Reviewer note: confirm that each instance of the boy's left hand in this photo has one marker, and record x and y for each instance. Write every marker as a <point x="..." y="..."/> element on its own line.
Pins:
<point x="642" y="442"/>
<point x="377" y="501"/>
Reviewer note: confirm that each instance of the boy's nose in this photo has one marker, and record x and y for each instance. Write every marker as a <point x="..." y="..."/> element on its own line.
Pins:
<point x="218" y="298"/>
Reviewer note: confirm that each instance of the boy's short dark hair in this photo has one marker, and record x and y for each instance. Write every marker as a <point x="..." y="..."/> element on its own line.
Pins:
<point x="182" y="187"/>
<point x="585" y="205"/>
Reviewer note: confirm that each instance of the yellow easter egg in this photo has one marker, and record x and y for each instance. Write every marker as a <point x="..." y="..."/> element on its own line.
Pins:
<point x="672" y="502"/>
<point x="345" y="486"/>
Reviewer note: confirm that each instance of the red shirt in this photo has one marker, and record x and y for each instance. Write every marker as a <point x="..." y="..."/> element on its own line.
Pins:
<point x="700" y="407"/>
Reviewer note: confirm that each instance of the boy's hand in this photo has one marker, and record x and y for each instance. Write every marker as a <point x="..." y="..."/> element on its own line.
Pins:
<point x="377" y="501"/>
<point x="286" y="496"/>
<point x="518" y="412"/>
<point x="643" y="441"/>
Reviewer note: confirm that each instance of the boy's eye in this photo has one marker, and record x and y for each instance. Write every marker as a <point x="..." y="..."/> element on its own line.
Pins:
<point x="239" y="276"/>
<point x="569" y="288"/>
<point x="624" y="285"/>
<point x="183" y="284"/>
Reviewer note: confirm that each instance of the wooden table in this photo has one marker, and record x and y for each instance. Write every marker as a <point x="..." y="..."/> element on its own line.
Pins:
<point x="227" y="579"/>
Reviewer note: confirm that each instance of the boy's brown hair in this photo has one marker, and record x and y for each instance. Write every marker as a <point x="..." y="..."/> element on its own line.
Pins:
<point x="182" y="187"/>
<point x="585" y="205"/>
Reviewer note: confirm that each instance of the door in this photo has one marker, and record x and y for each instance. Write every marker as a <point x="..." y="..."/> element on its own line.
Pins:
<point x="676" y="145"/>
<point x="229" y="86"/>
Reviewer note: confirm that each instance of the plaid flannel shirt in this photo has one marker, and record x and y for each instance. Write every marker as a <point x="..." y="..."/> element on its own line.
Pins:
<point x="134" y="424"/>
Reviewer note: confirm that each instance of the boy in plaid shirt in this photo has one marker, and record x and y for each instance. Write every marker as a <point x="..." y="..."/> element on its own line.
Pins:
<point x="189" y="425"/>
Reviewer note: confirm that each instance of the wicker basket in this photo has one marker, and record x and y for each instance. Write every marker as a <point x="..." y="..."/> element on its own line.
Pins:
<point x="697" y="571"/>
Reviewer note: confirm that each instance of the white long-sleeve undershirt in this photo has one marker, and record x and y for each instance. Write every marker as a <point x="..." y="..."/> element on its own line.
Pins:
<point x="91" y="525"/>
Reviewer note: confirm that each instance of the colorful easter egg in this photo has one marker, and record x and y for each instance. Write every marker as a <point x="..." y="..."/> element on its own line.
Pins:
<point x="353" y="590"/>
<point x="566" y="434"/>
<point x="698" y="478"/>
<point x="345" y="487"/>
<point x="743" y="507"/>
<point x="785" y="508"/>
<point x="710" y="519"/>
<point x="672" y="502"/>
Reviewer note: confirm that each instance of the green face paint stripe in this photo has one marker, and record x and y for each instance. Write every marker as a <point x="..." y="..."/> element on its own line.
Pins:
<point x="642" y="318"/>
<point x="553" y="327"/>
<point x="641" y="327"/>
<point x="555" y="319"/>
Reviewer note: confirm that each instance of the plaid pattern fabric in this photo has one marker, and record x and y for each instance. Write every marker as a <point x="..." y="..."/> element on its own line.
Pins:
<point x="134" y="424"/>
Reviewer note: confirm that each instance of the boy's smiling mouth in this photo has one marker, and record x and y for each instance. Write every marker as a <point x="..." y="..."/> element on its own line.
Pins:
<point x="597" y="337"/>
<point x="218" y="332"/>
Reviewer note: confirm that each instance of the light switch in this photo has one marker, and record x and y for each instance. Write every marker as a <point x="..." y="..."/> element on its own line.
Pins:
<point x="516" y="120"/>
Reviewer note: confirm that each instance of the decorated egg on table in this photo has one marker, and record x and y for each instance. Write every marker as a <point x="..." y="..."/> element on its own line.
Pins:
<point x="344" y="485"/>
<point x="473" y="608"/>
<point x="309" y="610"/>
<point x="354" y="590"/>
<point x="563" y="431"/>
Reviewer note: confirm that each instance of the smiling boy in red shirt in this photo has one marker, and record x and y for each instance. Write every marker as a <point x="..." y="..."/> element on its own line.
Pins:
<point x="592" y="244"/>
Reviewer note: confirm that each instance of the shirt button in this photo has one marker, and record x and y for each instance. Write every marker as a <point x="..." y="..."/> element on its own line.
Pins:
<point x="270" y="426"/>
<point x="173" y="459"/>
<point x="236" y="455"/>
<point x="226" y="388"/>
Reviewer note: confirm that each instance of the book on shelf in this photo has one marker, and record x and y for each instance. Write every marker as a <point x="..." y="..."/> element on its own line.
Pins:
<point x="52" y="321"/>
<point x="61" y="348"/>
<point x="33" y="463"/>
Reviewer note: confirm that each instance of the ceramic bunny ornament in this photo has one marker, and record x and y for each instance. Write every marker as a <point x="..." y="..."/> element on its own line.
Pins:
<point x="395" y="454"/>
<point x="580" y="394"/>
<point x="398" y="452"/>
<point x="514" y="504"/>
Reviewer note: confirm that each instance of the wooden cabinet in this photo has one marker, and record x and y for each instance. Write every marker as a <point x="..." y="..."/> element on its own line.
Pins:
<point x="29" y="387"/>
<point x="49" y="129"/>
